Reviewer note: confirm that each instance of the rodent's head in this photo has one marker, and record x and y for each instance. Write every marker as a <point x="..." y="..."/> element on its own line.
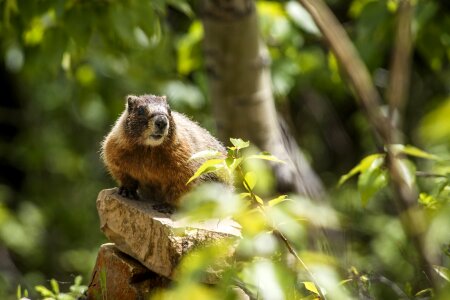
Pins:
<point x="148" y="119"/>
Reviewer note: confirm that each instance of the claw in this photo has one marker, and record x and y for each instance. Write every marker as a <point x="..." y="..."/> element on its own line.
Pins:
<point x="164" y="208"/>
<point x="128" y="193"/>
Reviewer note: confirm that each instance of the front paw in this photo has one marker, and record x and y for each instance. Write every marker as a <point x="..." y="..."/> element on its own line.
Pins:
<point x="128" y="193"/>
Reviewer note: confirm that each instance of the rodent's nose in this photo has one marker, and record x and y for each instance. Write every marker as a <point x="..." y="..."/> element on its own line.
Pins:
<point x="161" y="122"/>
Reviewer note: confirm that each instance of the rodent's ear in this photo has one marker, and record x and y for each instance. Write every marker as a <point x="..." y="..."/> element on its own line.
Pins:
<point x="164" y="98"/>
<point x="130" y="103"/>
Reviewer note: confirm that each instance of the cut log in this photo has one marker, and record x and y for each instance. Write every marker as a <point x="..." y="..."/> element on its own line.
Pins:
<point x="118" y="276"/>
<point x="154" y="238"/>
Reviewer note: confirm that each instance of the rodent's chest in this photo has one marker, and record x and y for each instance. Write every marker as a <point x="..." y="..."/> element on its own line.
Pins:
<point x="162" y="168"/>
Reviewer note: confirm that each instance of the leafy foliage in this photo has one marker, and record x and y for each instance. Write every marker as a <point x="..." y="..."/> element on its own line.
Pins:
<point x="265" y="225"/>
<point x="373" y="176"/>
<point x="77" y="290"/>
<point x="270" y="231"/>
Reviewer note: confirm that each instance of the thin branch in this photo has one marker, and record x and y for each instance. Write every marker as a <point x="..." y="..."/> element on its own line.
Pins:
<point x="406" y="195"/>
<point x="243" y="287"/>
<point x="428" y="174"/>
<point x="384" y="280"/>
<point x="399" y="76"/>
<point x="291" y="250"/>
<point x="359" y="78"/>
<point x="412" y="219"/>
<point x="351" y="63"/>
<point x="280" y="235"/>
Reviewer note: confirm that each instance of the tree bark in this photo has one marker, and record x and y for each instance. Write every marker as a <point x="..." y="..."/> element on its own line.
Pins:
<point x="400" y="71"/>
<point x="237" y="64"/>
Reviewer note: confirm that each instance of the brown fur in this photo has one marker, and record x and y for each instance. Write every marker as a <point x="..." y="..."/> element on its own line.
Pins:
<point x="162" y="171"/>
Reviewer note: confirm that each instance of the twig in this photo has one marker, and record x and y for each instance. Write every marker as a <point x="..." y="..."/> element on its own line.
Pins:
<point x="351" y="63"/>
<point x="411" y="219"/>
<point x="291" y="249"/>
<point x="384" y="280"/>
<point x="428" y="174"/>
<point x="243" y="286"/>
<point x="280" y="235"/>
<point x="399" y="76"/>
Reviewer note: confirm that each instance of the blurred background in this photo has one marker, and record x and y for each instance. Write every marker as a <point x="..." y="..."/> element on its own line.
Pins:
<point x="66" y="67"/>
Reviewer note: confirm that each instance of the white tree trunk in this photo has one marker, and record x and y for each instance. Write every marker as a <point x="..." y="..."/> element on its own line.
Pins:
<point x="237" y="63"/>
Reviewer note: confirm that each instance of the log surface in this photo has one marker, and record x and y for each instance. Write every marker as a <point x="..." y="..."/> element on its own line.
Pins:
<point x="153" y="238"/>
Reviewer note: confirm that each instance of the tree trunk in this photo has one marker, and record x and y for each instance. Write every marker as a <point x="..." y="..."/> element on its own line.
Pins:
<point x="237" y="64"/>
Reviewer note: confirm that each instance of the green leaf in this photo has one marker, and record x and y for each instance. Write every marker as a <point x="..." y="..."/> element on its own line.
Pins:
<point x="188" y="60"/>
<point x="443" y="272"/>
<point x="9" y="8"/>
<point x="208" y="154"/>
<point x="55" y="286"/>
<point x="231" y="152"/>
<point x="413" y="151"/>
<point x="301" y="17"/>
<point x="345" y="281"/>
<point x="78" y="280"/>
<point x="371" y="180"/>
<point x="434" y="126"/>
<point x="43" y="291"/>
<point x="258" y="199"/>
<point x="35" y="34"/>
<point x="445" y="185"/>
<point x="250" y="178"/>
<point x="208" y="166"/>
<point x="357" y="7"/>
<point x="310" y="286"/>
<point x="265" y="157"/>
<point x="428" y="201"/>
<point x="407" y="171"/>
<point x="271" y="8"/>
<point x="244" y="195"/>
<point x="19" y="292"/>
<point x="236" y="162"/>
<point x="63" y="296"/>
<point x="361" y="167"/>
<point x="239" y="143"/>
<point x="424" y="292"/>
<point x="249" y="196"/>
<point x="278" y="200"/>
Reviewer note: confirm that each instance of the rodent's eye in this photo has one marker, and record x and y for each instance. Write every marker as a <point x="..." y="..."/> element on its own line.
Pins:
<point x="140" y="111"/>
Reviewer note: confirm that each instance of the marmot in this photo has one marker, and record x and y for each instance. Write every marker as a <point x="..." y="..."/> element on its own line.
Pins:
<point x="149" y="147"/>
